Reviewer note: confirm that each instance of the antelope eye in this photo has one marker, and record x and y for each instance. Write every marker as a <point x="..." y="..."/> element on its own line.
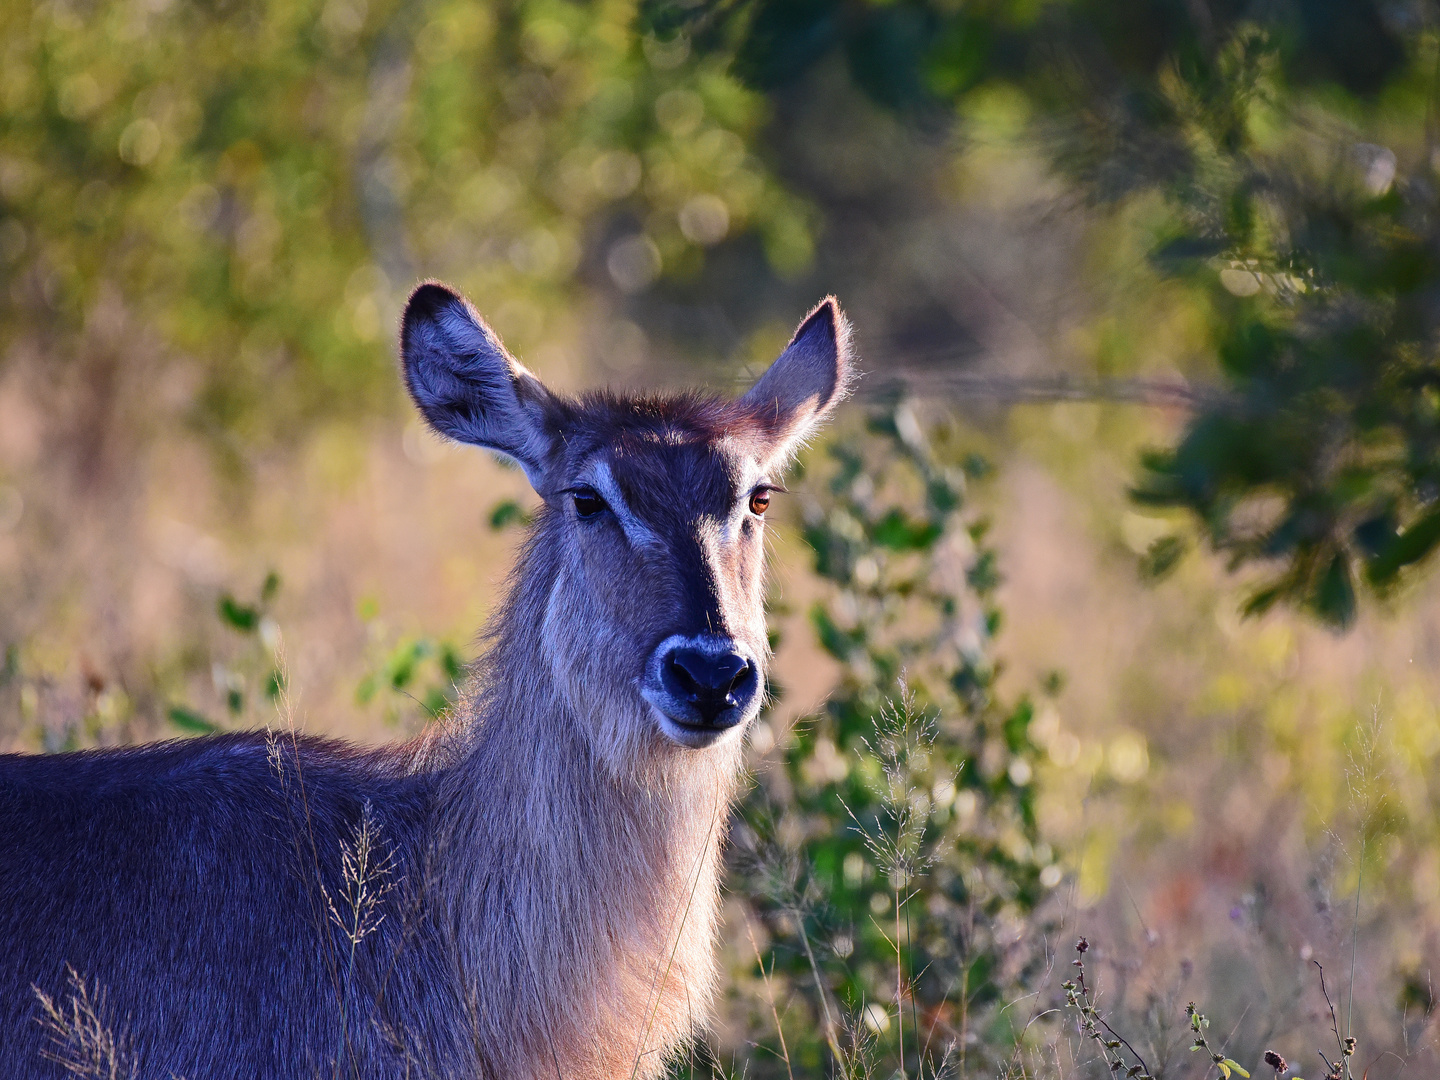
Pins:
<point x="587" y="501"/>
<point x="760" y="502"/>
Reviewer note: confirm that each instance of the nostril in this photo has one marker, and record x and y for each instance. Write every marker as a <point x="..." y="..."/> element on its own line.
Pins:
<point x="740" y="677"/>
<point x="682" y="675"/>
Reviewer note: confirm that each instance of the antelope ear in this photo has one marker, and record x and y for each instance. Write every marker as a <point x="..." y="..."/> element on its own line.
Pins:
<point x="809" y="379"/>
<point x="468" y="386"/>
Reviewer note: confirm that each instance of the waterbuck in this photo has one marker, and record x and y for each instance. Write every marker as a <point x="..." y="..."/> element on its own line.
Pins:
<point x="528" y="890"/>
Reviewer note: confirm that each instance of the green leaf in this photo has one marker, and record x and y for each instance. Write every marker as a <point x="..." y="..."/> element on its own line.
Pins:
<point x="1409" y="547"/>
<point x="1233" y="1067"/>
<point x="188" y="720"/>
<point x="1161" y="558"/>
<point x="1263" y="600"/>
<point x="977" y="466"/>
<point x="451" y="662"/>
<point x="984" y="576"/>
<point x="239" y="616"/>
<point x="1017" y="727"/>
<point x="508" y="513"/>
<point x="402" y="666"/>
<point x="1334" y="596"/>
<point x="897" y="532"/>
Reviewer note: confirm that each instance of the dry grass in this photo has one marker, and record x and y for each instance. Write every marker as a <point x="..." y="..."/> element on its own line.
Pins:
<point x="81" y="1039"/>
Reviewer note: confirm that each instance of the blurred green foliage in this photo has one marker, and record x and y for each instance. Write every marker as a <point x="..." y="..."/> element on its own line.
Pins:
<point x="508" y="513"/>
<point x="895" y="855"/>
<point x="1294" y="147"/>
<point x="420" y="679"/>
<point x="260" y="182"/>
<point x="258" y="664"/>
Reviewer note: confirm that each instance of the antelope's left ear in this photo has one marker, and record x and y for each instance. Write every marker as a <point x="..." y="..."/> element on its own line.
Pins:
<point x="811" y="377"/>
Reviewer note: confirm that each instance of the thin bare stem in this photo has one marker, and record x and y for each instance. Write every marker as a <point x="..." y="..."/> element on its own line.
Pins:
<point x="1345" y="1044"/>
<point x="1082" y="998"/>
<point x="1355" y="942"/>
<point x="830" y="1024"/>
<point x="899" y="983"/>
<point x="770" y="998"/>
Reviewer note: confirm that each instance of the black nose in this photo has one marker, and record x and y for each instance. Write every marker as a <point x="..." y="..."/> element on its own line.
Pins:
<point x="708" y="681"/>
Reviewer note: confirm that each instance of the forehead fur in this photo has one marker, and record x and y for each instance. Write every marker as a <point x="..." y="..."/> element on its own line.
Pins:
<point x="628" y="425"/>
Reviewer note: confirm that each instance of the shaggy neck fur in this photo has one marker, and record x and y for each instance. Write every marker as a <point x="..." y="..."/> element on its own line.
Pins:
<point x="584" y="910"/>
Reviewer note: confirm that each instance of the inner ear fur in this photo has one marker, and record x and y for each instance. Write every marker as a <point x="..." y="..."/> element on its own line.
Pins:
<point x="468" y="386"/>
<point x="811" y="377"/>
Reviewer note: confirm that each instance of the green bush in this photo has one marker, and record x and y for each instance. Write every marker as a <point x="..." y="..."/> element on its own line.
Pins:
<point x="893" y="858"/>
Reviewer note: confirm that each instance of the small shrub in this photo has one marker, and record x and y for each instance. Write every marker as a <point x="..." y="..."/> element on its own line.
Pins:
<point x="894" y="857"/>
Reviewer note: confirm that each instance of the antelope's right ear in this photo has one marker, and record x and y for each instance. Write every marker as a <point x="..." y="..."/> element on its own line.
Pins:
<point x="812" y="376"/>
<point x="468" y="386"/>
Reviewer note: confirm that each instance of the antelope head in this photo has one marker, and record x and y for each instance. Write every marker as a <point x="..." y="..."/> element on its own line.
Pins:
<point x="650" y="543"/>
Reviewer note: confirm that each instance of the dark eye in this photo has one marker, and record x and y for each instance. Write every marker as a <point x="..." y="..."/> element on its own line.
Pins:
<point x="760" y="501"/>
<point x="588" y="502"/>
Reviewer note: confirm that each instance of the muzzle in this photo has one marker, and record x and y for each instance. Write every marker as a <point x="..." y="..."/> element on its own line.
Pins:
<point x="701" y="687"/>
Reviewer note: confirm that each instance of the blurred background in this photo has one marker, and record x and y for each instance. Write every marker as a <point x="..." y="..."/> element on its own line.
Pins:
<point x="1148" y="443"/>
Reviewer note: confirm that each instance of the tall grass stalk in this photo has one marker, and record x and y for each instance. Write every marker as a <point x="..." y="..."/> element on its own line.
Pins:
<point x="1364" y="782"/>
<point x="1354" y="947"/>
<point x="770" y="999"/>
<point x="367" y="876"/>
<point x="81" y="1041"/>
